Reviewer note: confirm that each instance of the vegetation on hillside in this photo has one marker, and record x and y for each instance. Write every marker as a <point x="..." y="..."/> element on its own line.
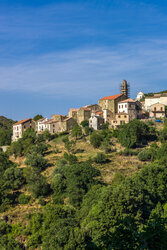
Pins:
<point x="105" y="190"/>
<point x="5" y="130"/>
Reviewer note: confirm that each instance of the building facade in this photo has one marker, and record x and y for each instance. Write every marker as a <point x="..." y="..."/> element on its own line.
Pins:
<point x="83" y="114"/>
<point x="120" y="119"/>
<point x="129" y="107"/>
<point x="111" y="102"/>
<point x="41" y="125"/>
<point x="20" y="127"/>
<point x="157" y="98"/>
<point x="95" y="122"/>
<point x="140" y="95"/>
<point x="157" y="110"/>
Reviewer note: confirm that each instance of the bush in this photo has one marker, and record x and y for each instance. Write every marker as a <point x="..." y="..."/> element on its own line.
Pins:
<point x="76" y="131"/>
<point x="70" y="158"/>
<point x="37" y="183"/>
<point x="144" y="155"/>
<point x="95" y="140"/>
<point x="37" y="161"/>
<point x="85" y="123"/>
<point x="87" y="130"/>
<point x="128" y="152"/>
<point x="100" y="158"/>
<point x="41" y="201"/>
<point x="24" y="199"/>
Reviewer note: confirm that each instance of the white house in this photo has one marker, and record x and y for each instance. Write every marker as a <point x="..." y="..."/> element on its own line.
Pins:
<point x="157" y="98"/>
<point x="129" y="107"/>
<point x="20" y="127"/>
<point x="139" y="96"/>
<point x="41" y="125"/>
<point x="95" y="122"/>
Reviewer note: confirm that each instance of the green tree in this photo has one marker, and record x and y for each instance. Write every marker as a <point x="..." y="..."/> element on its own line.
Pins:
<point x="73" y="181"/>
<point x="133" y="134"/>
<point x="37" y="117"/>
<point x="95" y="139"/>
<point x="37" y="161"/>
<point x="77" y="131"/>
<point x="85" y="123"/>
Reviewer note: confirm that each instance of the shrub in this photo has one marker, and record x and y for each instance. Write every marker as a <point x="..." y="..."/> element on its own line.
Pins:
<point x="70" y="158"/>
<point x="100" y="158"/>
<point x="24" y="199"/>
<point x="85" y="123"/>
<point x="144" y="155"/>
<point x="37" y="183"/>
<point x="41" y="201"/>
<point x="95" y="140"/>
<point x="87" y="130"/>
<point x="37" y="161"/>
<point x="77" y="131"/>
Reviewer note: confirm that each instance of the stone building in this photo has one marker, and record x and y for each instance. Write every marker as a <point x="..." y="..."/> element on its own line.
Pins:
<point x="60" y="126"/>
<point x="58" y="118"/>
<point x="83" y="114"/>
<point x="68" y="124"/>
<point x="157" y="110"/>
<point x="20" y="127"/>
<point x="93" y="107"/>
<point x="111" y="102"/>
<point x="73" y="113"/>
<point x="120" y="119"/>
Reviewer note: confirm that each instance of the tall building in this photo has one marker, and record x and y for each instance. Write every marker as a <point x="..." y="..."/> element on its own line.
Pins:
<point x="111" y="102"/>
<point x="125" y="88"/>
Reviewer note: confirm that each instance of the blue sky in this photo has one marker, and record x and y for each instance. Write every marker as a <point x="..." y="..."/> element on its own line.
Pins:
<point x="60" y="54"/>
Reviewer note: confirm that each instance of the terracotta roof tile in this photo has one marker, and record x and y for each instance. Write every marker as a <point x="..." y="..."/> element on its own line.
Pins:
<point x="112" y="97"/>
<point x="22" y="121"/>
<point x="74" y="109"/>
<point x="86" y="109"/>
<point x="127" y="100"/>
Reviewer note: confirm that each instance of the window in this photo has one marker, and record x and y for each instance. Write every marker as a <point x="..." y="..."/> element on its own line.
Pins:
<point x="161" y="109"/>
<point x="122" y="106"/>
<point x="119" y="116"/>
<point x="124" y="116"/>
<point x="155" y="109"/>
<point x="125" y="106"/>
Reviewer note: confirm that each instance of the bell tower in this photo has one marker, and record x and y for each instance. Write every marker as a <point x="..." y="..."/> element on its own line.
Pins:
<point x="125" y="88"/>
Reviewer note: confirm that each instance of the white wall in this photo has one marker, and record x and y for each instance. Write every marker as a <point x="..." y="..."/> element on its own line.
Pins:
<point x="123" y="107"/>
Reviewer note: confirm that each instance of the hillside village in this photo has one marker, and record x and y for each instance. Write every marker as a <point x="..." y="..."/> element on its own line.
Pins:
<point x="115" y="110"/>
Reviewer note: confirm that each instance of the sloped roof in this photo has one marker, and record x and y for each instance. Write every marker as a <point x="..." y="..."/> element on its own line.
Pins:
<point x="71" y="109"/>
<point x="127" y="100"/>
<point x="22" y="121"/>
<point x="112" y="97"/>
<point x="121" y="113"/>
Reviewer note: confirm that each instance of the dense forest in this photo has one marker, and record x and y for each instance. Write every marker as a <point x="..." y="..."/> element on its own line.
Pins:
<point x="86" y="190"/>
